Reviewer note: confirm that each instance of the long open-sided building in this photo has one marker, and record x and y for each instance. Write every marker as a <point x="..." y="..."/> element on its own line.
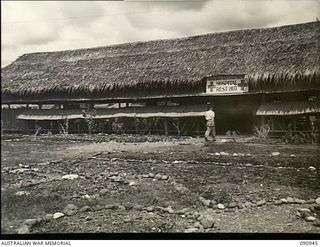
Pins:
<point x="252" y="77"/>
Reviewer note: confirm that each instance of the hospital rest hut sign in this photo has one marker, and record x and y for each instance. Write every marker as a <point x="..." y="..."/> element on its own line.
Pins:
<point x="226" y="86"/>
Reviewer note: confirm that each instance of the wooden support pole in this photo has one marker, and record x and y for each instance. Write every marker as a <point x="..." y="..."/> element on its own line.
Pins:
<point x="198" y="128"/>
<point x="165" y="127"/>
<point x="135" y="124"/>
<point x="179" y="127"/>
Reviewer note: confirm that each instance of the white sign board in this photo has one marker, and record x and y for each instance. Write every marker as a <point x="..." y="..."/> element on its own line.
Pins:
<point x="226" y="86"/>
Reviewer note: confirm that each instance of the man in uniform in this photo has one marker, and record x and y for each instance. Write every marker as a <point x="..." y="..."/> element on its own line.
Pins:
<point x="210" y="115"/>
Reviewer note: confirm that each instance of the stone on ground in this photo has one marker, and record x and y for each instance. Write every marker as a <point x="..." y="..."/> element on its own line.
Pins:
<point x="198" y="225"/>
<point x="121" y="207"/>
<point x="97" y="208"/>
<point x="299" y="201"/>
<point x="204" y="201"/>
<point x="132" y="183"/>
<point x="48" y="217"/>
<point x="277" y="202"/>
<point x="310" y="201"/>
<point x="70" y="176"/>
<point x="22" y="193"/>
<point x="85" y="209"/>
<point x="232" y="205"/>
<point x="290" y="200"/>
<point x="318" y="200"/>
<point x="240" y="205"/>
<point x="118" y="179"/>
<point x="191" y="230"/>
<point x="180" y="188"/>
<point x="70" y="209"/>
<point x="310" y="219"/>
<point x="220" y="206"/>
<point x="30" y="222"/>
<point x="304" y="214"/>
<point x="23" y="230"/>
<point x="316" y="223"/>
<point x="110" y="206"/>
<point x="164" y="177"/>
<point x="150" y="208"/>
<point x="307" y="210"/>
<point x="57" y="215"/>
<point x="182" y="211"/>
<point x="104" y="191"/>
<point x="170" y="210"/>
<point x="137" y="207"/>
<point x="261" y="202"/>
<point x="207" y="221"/>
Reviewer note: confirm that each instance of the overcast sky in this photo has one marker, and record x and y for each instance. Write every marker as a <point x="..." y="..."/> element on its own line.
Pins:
<point x="51" y="26"/>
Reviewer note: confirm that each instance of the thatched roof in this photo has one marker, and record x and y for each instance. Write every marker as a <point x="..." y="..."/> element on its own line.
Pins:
<point x="272" y="58"/>
<point x="140" y="112"/>
<point x="288" y="108"/>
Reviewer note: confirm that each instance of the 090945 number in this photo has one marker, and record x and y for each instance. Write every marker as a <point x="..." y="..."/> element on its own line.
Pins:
<point x="308" y="243"/>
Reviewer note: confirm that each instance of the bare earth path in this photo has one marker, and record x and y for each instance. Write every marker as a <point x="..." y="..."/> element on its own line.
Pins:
<point x="157" y="184"/>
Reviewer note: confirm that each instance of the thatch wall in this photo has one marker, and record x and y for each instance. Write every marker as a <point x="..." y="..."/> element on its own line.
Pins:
<point x="131" y="112"/>
<point x="272" y="59"/>
<point x="288" y="108"/>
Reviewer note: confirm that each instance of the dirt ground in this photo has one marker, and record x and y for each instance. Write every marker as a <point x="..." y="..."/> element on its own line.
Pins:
<point x="157" y="184"/>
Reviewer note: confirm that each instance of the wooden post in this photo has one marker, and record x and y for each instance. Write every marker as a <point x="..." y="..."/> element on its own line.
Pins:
<point x="165" y="127"/>
<point x="198" y="128"/>
<point x="9" y="106"/>
<point x="179" y="127"/>
<point x="51" y="126"/>
<point x="135" y="124"/>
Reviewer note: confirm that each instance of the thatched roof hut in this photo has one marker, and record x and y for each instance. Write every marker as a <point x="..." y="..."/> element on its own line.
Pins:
<point x="272" y="59"/>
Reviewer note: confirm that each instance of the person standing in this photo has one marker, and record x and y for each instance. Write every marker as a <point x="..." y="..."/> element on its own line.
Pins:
<point x="211" y="131"/>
